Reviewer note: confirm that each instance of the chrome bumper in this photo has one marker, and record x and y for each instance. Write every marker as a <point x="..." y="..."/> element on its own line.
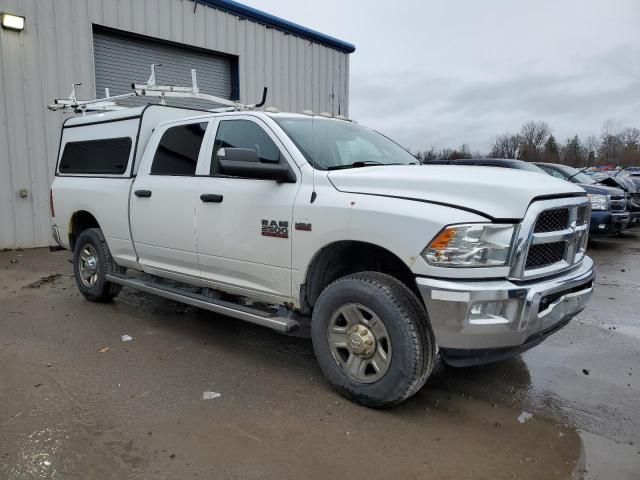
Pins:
<point x="495" y="314"/>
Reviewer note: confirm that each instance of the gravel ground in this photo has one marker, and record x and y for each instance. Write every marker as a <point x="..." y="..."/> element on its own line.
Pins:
<point x="76" y="401"/>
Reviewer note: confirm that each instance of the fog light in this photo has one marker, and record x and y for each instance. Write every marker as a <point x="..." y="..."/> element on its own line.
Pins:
<point x="602" y="226"/>
<point x="12" y="22"/>
<point x="492" y="313"/>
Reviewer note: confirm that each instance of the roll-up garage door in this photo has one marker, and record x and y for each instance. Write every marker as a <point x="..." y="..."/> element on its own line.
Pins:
<point x="122" y="59"/>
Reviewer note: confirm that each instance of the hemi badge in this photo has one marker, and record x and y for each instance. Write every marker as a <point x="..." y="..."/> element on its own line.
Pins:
<point x="450" y="296"/>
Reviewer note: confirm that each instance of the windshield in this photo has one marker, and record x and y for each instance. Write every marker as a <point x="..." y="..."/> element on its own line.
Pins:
<point x="531" y="167"/>
<point x="329" y="144"/>
<point x="581" y="177"/>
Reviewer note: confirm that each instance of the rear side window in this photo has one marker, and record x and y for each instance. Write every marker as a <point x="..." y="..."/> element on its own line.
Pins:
<point x="245" y="134"/>
<point x="177" y="153"/>
<point x="107" y="156"/>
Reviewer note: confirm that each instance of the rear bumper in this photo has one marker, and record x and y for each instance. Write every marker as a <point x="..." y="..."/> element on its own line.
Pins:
<point x="485" y="321"/>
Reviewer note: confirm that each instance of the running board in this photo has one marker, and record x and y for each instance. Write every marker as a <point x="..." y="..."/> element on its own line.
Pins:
<point x="248" y="314"/>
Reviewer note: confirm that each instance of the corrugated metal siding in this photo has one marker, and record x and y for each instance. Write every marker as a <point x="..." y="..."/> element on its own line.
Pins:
<point x="123" y="59"/>
<point x="56" y="49"/>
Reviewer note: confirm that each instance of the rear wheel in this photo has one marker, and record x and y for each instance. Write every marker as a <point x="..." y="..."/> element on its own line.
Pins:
<point x="372" y="339"/>
<point x="92" y="261"/>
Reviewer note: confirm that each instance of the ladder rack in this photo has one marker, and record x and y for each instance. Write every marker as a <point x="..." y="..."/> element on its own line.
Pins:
<point x="148" y="89"/>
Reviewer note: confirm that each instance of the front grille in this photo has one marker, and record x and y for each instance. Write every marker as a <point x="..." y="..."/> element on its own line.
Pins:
<point x="552" y="220"/>
<point x="552" y="237"/>
<point x="544" y="254"/>
<point x="583" y="215"/>
<point x="618" y="203"/>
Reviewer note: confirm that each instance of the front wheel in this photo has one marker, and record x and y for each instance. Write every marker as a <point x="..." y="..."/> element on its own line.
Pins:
<point x="372" y="339"/>
<point x="92" y="261"/>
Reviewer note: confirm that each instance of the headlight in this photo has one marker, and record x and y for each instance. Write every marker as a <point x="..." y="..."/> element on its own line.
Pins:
<point x="473" y="245"/>
<point x="598" y="202"/>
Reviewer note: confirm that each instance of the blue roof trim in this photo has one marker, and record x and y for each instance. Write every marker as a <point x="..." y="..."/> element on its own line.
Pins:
<point x="252" y="14"/>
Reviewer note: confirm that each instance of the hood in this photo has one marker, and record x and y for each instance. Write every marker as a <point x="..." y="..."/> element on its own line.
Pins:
<point x="497" y="193"/>
<point x="602" y="189"/>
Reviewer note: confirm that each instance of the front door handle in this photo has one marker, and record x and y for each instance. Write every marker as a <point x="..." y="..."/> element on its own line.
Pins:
<point x="142" y="193"/>
<point x="211" y="198"/>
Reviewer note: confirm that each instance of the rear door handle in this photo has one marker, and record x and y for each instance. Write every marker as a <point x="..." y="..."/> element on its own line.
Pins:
<point x="142" y="193"/>
<point x="211" y="198"/>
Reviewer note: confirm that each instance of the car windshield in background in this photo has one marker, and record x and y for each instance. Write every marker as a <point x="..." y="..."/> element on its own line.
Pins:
<point x="530" y="167"/>
<point x="576" y="175"/>
<point x="333" y="144"/>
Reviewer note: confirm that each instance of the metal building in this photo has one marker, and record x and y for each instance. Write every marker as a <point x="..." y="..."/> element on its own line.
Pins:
<point x="235" y="49"/>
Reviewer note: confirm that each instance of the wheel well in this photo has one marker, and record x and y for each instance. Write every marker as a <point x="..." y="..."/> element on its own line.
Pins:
<point x="345" y="257"/>
<point x="80" y="221"/>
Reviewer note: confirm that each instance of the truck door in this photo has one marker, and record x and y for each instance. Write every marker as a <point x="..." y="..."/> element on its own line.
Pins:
<point x="243" y="225"/>
<point x="163" y="201"/>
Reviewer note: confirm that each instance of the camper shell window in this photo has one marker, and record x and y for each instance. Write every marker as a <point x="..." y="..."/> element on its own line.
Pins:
<point x="108" y="156"/>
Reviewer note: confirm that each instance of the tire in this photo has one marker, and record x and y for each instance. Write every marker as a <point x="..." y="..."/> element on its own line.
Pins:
<point x="91" y="244"/>
<point x="406" y="339"/>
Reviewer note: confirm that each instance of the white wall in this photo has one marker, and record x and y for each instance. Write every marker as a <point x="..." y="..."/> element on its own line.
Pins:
<point x="55" y="50"/>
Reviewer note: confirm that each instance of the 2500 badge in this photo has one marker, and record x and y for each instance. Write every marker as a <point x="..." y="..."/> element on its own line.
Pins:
<point x="275" y="228"/>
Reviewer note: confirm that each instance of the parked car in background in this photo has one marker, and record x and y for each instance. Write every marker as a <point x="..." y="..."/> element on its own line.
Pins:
<point x="490" y="162"/>
<point x="609" y="213"/>
<point x="630" y="184"/>
<point x="608" y="210"/>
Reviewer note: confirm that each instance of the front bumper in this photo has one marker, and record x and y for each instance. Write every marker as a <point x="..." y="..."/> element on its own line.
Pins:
<point x="634" y="219"/>
<point x="476" y="321"/>
<point x="607" y="223"/>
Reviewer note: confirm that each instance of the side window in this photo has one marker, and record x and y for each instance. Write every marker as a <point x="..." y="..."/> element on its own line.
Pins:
<point x="108" y="156"/>
<point x="178" y="150"/>
<point x="244" y="134"/>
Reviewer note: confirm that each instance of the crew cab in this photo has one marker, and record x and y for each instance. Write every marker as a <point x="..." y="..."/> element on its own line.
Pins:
<point x="296" y="221"/>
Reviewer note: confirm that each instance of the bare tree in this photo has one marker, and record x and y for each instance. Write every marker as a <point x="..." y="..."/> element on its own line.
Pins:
<point x="611" y="146"/>
<point x="506" y="145"/>
<point x="533" y="136"/>
<point x="630" y="138"/>
<point x="591" y="143"/>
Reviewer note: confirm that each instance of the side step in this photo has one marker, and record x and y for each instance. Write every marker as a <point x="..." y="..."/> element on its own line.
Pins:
<point x="248" y="314"/>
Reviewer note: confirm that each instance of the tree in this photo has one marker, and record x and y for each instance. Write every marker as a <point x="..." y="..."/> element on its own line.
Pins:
<point x="533" y="136"/>
<point x="551" y="154"/>
<point x="591" y="145"/>
<point x="506" y="145"/>
<point x="630" y="138"/>
<point x="573" y="153"/>
<point x="611" y="145"/>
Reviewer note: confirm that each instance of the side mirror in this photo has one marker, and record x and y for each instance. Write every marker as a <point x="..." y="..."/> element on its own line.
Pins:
<point x="244" y="162"/>
<point x="238" y="154"/>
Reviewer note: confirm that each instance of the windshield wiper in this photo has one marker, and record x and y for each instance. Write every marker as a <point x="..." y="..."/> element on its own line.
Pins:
<point x="364" y="163"/>
<point x="619" y="171"/>
<point x="576" y="174"/>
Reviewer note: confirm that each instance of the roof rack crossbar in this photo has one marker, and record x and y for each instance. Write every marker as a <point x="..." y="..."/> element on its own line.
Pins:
<point x="148" y="89"/>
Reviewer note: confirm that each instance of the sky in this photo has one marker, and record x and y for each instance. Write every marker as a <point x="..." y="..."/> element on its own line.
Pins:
<point x="441" y="73"/>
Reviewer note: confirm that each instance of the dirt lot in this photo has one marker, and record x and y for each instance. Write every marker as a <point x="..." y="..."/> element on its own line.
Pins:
<point x="78" y="402"/>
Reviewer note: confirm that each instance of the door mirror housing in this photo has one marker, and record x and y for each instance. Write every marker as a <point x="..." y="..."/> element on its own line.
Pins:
<point x="238" y="154"/>
<point x="244" y="162"/>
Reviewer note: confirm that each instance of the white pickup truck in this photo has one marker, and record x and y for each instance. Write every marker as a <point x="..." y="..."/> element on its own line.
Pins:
<point x="290" y="220"/>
